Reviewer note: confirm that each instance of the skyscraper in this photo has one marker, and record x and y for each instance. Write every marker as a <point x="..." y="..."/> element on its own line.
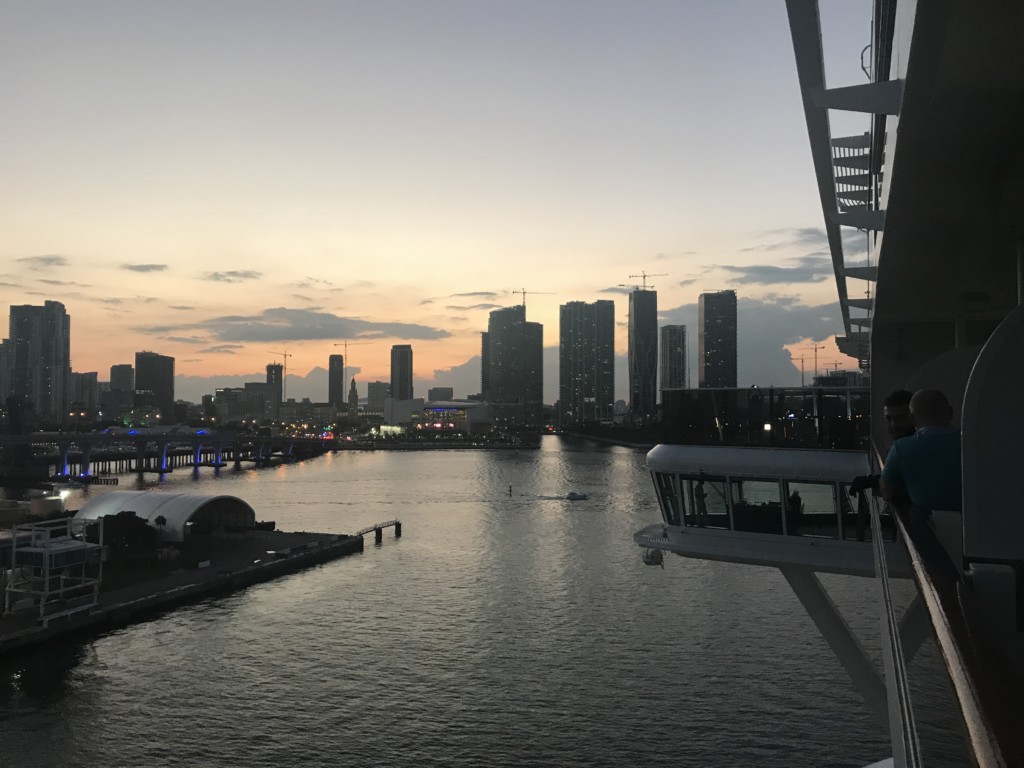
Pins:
<point x="643" y="352"/>
<point x="514" y="374"/>
<point x="401" y="372"/>
<point x="41" y="373"/>
<point x="716" y="352"/>
<point x="122" y="378"/>
<point x="336" y="381"/>
<point x="673" y="357"/>
<point x="353" y="400"/>
<point x="586" y="361"/>
<point x="275" y="378"/>
<point x="154" y="384"/>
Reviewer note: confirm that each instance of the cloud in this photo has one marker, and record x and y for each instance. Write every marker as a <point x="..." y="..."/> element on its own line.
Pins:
<point x="687" y="281"/>
<point x="765" y="326"/>
<point x="233" y="276"/>
<point x="10" y="285"/>
<point x="180" y="307"/>
<point x="617" y="289"/>
<point x="221" y="349"/>
<point x="313" y="282"/>
<point x="802" y="238"/>
<point x="63" y="282"/>
<point x="812" y="268"/>
<point x="477" y="294"/>
<point x="285" y="324"/>
<point x="50" y="260"/>
<point x="456" y="308"/>
<point x="426" y="301"/>
<point x="188" y="339"/>
<point x="144" y="267"/>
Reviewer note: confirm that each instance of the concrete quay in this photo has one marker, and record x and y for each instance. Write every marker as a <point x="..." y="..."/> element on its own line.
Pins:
<point x="234" y="564"/>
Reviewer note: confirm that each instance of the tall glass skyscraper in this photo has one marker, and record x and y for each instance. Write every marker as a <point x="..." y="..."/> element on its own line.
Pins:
<point x="401" y="372"/>
<point x="716" y="353"/>
<point x="643" y="353"/>
<point x="336" y="382"/>
<point x="40" y="340"/>
<point x="672" y="363"/>
<point x="275" y="378"/>
<point x="514" y="375"/>
<point x="586" y="361"/>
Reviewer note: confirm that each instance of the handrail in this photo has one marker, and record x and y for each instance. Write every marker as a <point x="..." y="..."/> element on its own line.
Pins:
<point x="902" y="727"/>
<point x="993" y="739"/>
<point x="991" y="720"/>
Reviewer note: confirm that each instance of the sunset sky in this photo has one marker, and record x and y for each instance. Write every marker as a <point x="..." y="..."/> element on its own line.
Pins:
<point x="223" y="181"/>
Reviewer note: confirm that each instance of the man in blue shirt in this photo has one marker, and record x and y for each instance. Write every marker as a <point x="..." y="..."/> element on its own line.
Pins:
<point x="923" y="472"/>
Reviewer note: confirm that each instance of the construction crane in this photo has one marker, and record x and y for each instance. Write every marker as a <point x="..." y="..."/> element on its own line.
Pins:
<point x="344" y="361"/>
<point x="284" y="375"/>
<point x="523" y="291"/>
<point x="643" y="276"/>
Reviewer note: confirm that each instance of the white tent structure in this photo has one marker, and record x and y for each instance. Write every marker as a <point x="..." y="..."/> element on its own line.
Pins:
<point x="183" y="514"/>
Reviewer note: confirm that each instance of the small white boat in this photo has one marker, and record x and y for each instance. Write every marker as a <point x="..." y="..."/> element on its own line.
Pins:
<point x="575" y="496"/>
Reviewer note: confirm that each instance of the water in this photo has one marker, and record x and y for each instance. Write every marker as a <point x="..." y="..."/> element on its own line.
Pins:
<point x="499" y="630"/>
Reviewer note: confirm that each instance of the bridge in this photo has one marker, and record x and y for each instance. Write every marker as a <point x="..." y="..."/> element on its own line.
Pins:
<point x="77" y="455"/>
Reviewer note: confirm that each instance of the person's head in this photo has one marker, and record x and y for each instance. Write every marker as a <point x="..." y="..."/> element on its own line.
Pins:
<point x="896" y="411"/>
<point x="930" y="408"/>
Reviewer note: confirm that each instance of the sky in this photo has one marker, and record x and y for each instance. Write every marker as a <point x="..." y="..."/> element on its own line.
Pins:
<point x="232" y="180"/>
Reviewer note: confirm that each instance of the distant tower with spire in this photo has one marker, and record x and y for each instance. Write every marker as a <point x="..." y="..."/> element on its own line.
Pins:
<point x="353" y="400"/>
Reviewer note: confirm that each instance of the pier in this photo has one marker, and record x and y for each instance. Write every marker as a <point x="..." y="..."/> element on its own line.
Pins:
<point x="233" y="563"/>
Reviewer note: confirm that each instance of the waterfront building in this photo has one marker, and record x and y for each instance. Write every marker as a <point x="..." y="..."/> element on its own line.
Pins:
<point x="376" y="393"/>
<point x="275" y="379"/>
<point x="515" y="375"/>
<point x="643" y="352"/>
<point x="716" y="352"/>
<point x="336" y="381"/>
<point x="85" y="391"/>
<point x="485" y="365"/>
<point x="122" y="378"/>
<point x="401" y="371"/>
<point x="6" y="370"/>
<point x="586" y="361"/>
<point x="672" y="359"/>
<point x="440" y="393"/>
<point x="154" y="384"/>
<point x="41" y="366"/>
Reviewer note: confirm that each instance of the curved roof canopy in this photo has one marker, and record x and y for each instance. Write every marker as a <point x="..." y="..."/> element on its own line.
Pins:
<point x="762" y="463"/>
<point x="176" y="509"/>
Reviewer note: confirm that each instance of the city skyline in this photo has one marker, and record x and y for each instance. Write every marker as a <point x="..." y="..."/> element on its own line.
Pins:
<point x="217" y="200"/>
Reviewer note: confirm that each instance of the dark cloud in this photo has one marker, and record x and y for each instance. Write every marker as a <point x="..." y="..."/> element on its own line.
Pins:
<point x="285" y="324"/>
<point x="799" y="238"/>
<point x="313" y="282"/>
<point x="456" y="308"/>
<point x="812" y="268"/>
<point x="687" y="281"/>
<point x="188" y="339"/>
<point x="233" y="276"/>
<point x="621" y="289"/>
<point x="221" y="349"/>
<point x="477" y="294"/>
<point x="63" y="282"/>
<point x="49" y="260"/>
<point x="181" y="307"/>
<point x="426" y="301"/>
<point x="10" y="285"/>
<point x="144" y="267"/>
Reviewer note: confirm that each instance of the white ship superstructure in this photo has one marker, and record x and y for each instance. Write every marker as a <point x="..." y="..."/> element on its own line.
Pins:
<point x="936" y="184"/>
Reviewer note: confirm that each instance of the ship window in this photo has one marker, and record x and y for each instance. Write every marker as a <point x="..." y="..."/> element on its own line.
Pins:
<point x="706" y="507"/>
<point x="756" y="507"/>
<point x="856" y="517"/>
<point x="811" y="509"/>
<point x="666" y="485"/>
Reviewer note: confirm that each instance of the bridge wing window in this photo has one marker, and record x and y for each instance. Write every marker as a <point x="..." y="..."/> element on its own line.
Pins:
<point x="705" y="502"/>
<point x="811" y="510"/>
<point x="756" y="506"/>
<point x="667" y="485"/>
